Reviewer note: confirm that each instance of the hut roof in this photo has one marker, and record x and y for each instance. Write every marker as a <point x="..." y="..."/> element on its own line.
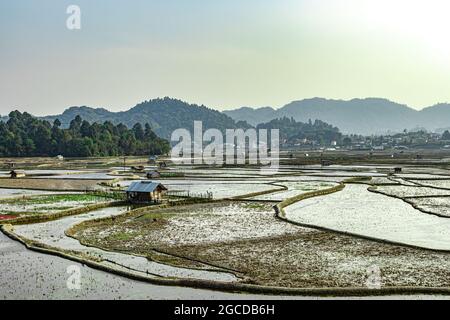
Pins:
<point x="144" y="186"/>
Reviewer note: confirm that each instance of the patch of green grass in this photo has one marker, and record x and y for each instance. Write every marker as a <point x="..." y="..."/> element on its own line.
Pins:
<point x="171" y="174"/>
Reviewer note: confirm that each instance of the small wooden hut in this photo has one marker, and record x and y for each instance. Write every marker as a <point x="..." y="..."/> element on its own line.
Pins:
<point x="145" y="192"/>
<point x="153" y="174"/>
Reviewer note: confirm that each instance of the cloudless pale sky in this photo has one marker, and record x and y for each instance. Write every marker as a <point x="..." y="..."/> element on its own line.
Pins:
<point x="222" y="53"/>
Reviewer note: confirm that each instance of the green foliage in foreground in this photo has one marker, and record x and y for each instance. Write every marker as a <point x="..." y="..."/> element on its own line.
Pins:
<point x="26" y="136"/>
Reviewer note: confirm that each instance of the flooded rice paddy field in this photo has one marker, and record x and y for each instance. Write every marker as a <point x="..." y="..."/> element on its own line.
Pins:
<point x="445" y="184"/>
<point x="247" y="239"/>
<point x="317" y="259"/>
<point x="384" y="180"/>
<point x="403" y="181"/>
<point x="411" y="191"/>
<point x="53" y="233"/>
<point x="30" y="275"/>
<point x="85" y="176"/>
<point x="304" y="177"/>
<point x="294" y="189"/>
<point x="14" y="193"/>
<point x="66" y="174"/>
<point x="436" y="205"/>
<point x="373" y="215"/>
<point x="416" y="175"/>
<point x="194" y="224"/>
<point x="349" y="174"/>
<point x="51" y="184"/>
<point x="42" y="204"/>
<point x="219" y="189"/>
<point x="203" y="241"/>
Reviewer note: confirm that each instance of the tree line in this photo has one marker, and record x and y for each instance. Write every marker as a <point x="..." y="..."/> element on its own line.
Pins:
<point x="26" y="136"/>
<point x="292" y="131"/>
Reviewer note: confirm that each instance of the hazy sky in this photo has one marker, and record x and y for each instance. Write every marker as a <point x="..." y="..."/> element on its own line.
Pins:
<point x="222" y="53"/>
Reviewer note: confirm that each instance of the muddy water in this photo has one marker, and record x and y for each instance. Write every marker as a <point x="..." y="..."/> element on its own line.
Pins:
<point x="356" y="210"/>
<point x="53" y="233"/>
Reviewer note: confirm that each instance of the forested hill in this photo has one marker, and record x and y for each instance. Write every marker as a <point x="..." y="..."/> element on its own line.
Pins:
<point x="24" y="135"/>
<point x="164" y="116"/>
<point x="292" y="132"/>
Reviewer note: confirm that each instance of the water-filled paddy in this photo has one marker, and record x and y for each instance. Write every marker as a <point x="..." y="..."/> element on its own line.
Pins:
<point x="30" y="275"/>
<point x="12" y="193"/>
<point x="436" y="205"/>
<point x="51" y="184"/>
<point x="194" y="224"/>
<point x="85" y="175"/>
<point x="434" y="183"/>
<point x="411" y="191"/>
<point x="53" y="234"/>
<point x="48" y="203"/>
<point x="294" y="189"/>
<point x="358" y="211"/>
<point x="245" y="236"/>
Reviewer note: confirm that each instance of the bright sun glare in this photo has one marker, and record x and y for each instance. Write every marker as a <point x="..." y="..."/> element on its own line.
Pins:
<point x="423" y="21"/>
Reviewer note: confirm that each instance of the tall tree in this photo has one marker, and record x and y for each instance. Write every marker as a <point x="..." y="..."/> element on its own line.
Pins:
<point x="24" y="135"/>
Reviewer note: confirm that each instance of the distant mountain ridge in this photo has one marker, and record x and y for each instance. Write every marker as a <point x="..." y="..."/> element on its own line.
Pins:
<point x="163" y="114"/>
<point x="363" y="116"/>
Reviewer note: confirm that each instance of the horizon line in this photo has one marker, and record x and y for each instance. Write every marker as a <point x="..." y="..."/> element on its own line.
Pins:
<point x="231" y="109"/>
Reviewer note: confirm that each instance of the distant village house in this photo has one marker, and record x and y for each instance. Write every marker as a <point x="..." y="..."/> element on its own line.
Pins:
<point x="152" y="159"/>
<point x="163" y="164"/>
<point x="138" y="168"/>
